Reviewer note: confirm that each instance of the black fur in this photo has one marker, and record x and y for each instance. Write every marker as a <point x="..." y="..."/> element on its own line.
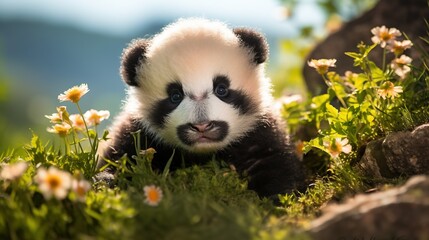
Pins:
<point x="264" y="156"/>
<point x="268" y="160"/>
<point x="133" y="56"/>
<point x="255" y="42"/>
<point x="162" y="108"/>
<point x="236" y="98"/>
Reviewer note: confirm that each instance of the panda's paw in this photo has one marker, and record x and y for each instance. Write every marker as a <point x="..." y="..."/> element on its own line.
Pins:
<point x="106" y="178"/>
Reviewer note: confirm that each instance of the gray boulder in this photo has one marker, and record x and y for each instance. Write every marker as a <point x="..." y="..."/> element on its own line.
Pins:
<point x="404" y="153"/>
<point x="398" y="213"/>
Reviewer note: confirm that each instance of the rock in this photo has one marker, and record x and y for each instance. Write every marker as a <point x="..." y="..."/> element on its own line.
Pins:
<point x="373" y="163"/>
<point x="107" y="178"/>
<point x="407" y="16"/>
<point x="407" y="153"/>
<point x="398" y="213"/>
<point x="404" y="153"/>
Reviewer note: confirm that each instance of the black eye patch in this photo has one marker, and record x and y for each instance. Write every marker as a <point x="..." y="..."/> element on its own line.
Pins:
<point x="162" y="108"/>
<point x="237" y="98"/>
<point x="175" y="93"/>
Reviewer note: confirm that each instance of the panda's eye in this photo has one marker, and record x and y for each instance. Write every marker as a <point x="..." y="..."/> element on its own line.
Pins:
<point x="176" y="96"/>
<point x="221" y="90"/>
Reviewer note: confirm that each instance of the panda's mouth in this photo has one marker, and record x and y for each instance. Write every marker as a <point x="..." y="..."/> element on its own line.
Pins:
<point x="200" y="133"/>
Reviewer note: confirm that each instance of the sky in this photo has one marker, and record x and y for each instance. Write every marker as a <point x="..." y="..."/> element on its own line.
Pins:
<point x="125" y="16"/>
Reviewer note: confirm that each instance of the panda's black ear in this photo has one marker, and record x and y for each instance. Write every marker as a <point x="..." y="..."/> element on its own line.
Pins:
<point x="132" y="57"/>
<point x="255" y="42"/>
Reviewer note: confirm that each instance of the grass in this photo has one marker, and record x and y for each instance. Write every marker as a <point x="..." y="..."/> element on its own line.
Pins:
<point x="209" y="202"/>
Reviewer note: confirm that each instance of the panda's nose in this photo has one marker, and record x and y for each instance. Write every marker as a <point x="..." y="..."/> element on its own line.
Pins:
<point x="202" y="127"/>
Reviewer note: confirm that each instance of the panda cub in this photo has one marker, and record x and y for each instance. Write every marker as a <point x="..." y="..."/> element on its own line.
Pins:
<point x="199" y="88"/>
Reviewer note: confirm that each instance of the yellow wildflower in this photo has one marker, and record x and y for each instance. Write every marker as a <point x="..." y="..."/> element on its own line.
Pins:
<point x="80" y="188"/>
<point x="53" y="182"/>
<point x="60" y="129"/>
<point x="299" y="149"/>
<point x="64" y="115"/>
<point x="74" y="94"/>
<point x="60" y="116"/>
<point x="153" y="195"/>
<point x="400" y="66"/>
<point x="398" y="47"/>
<point x="55" y="118"/>
<point x="389" y="90"/>
<point x="77" y="122"/>
<point x="338" y="146"/>
<point x="383" y="35"/>
<point x="148" y="153"/>
<point x="322" y="65"/>
<point x="94" y="117"/>
<point x="13" y="171"/>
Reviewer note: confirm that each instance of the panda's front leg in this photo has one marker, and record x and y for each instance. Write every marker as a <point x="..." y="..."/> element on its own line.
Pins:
<point x="275" y="174"/>
<point x="267" y="159"/>
<point x="120" y="144"/>
<point x="270" y="173"/>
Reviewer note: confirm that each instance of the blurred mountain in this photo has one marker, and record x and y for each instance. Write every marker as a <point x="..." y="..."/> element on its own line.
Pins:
<point x="52" y="58"/>
<point x="40" y="60"/>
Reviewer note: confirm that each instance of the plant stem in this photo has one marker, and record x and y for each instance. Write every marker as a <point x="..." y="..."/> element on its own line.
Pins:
<point x="332" y="87"/>
<point x="75" y="140"/>
<point x="66" y="145"/>
<point x="384" y="59"/>
<point x="86" y="127"/>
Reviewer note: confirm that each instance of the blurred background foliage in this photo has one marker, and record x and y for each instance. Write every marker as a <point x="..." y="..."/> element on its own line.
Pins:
<point x="40" y="57"/>
<point x="13" y="117"/>
<point x="287" y="75"/>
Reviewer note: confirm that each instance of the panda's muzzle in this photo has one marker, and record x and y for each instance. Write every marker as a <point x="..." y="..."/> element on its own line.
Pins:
<point x="202" y="127"/>
<point x="204" y="132"/>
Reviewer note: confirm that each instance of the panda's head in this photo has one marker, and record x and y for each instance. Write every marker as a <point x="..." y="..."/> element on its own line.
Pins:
<point x="198" y="84"/>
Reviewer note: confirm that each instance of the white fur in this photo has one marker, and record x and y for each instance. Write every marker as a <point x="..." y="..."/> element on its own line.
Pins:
<point x="193" y="51"/>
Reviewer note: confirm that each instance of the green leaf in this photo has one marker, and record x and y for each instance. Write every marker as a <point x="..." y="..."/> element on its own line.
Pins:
<point x="345" y="115"/>
<point x="92" y="133"/>
<point x="316" y="143"/>
<point x="105" y="135"/>
<point x="331" y="111"/>
<point x="353" y="54"/>
<point x="167" y="166"/>
<point x="361" y="96"/>
<point x="362" y="57"/>
<point x="320" y="100"/>
<point x="376" y="73"/>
